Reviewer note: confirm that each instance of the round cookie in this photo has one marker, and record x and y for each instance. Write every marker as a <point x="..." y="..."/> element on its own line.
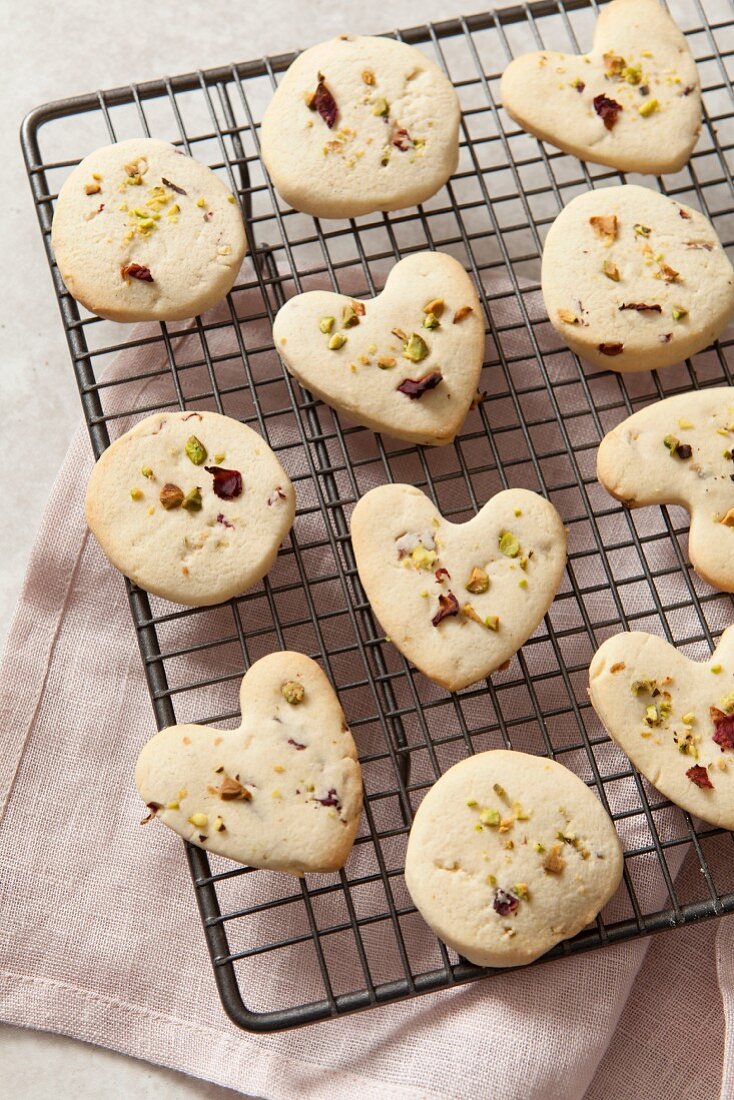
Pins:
<point x="635" y="281"/>
<point x="633" y="102"/>
<point x="681" y="451"/>
<point x="283" y="791"/>
<point x="360" y="124"/>
<point x="509" y="854"/>
<point x="190" y="506"/>
<point x="458" y="600"/>
<point x="673" y="717"/>
<point x="143" y="233"/>
<point x="406" y="362"/>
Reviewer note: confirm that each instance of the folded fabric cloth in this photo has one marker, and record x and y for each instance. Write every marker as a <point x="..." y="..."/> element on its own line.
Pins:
<point x="101" y="939"/>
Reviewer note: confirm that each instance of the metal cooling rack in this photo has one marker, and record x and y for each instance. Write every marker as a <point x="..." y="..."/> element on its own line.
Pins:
<point x="355" y="937"/>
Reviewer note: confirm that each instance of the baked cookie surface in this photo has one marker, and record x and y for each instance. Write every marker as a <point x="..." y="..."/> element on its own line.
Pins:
<point x="406" y="362"/>
<point x="142" y="232"/>
<point x="674" y="718"/>
<point x="283" y="791"/>
<point x="633" y="102"/>
<point x="509" y="854"/>
<point x="681" y="451"/>
<point x="190" y="506"/>
<point x="635" y="281"/>
<point x="458" y="600"/>
<point x="360" y="124"/>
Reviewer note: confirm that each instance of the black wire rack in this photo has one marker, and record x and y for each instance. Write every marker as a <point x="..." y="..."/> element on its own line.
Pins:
<point x="354" y="938"/>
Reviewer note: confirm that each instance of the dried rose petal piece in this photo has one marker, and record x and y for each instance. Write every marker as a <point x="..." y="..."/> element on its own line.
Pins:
<point x="402" y="140"/>
<point x="441" y="573"/>
<point x="173" y="186"/>
<point x="642" y="307"/>
<point x="447" y="605"/>
<point x="221" y="518"/>
<point x="607" y="110"/>
<point x="324" y="102"/>
<point x="297" y="745"/>
<point x="700" y="777"/>
<point x="227" y="483"/>
<point x="723" y="728"/>
<point x="330" y="799"/>
<point x="611" y="349"/>
<point x="136" y="271"/>
<point x="416" y="387"/>
<point x="505" y="903"/>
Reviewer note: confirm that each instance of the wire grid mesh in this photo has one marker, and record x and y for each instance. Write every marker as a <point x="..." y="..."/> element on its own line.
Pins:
<point x="354" y="937"/>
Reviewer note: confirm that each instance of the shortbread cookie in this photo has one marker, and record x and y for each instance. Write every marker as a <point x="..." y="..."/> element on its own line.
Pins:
<point x="283" y="791"/>
<point x="509" y="854"/>
<point x="458" y="599"/>
<point x="633" y="103"/>
<point x="360" y="124"/>
<point x="635" y="281"/>
<point x="681" y="451"/>
<point x="406" y="362"/>
<point x="190" y="506"/>
<point x="143" y="233"/>
<point x="673" y="717"/>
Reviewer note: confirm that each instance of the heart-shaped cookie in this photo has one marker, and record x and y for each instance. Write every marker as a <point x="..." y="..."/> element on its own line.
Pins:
<point x="673" y="717"/>
<point x="635" y="281"/>
<point x="681" y="451"/>
<point x="406" y="362"/>
<point x="633" y="102"/>
<point x="458" y="599"/>
<point x="282" y="791"/>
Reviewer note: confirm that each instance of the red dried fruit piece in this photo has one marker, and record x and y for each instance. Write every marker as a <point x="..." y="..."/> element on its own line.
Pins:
<point x="136" y="271"/>
<point x="684" y="214"/>
<point x="665" y="337"/>
<point x="723" y="728"/>
<point x="611" y="349"/>
<point x="221" y="518"/>
<point x="642" y="307"/>
<point x="324" y="102"/>
<point x="402" y="140"/>
<point x="505" y="903"/>
<point x="579" y="86"/>
<point x="607" y="110"/>
<point x="330" y="800"/>
<point x="447" y="605"/>
<point x="416" y="387"/>
<point x="227" y="483"/>
<point x="441" y="573"/>
<point x="700" y="777"/>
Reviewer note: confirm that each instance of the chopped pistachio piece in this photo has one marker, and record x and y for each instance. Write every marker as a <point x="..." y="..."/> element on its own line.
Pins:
<point x="642" y="230"/>
<point x="196" y="451"/>
<point x="415" y="348"/>
<point x="688" y="719"/>
<point x="385" y="362"/>
<point x="381" y="107"/>
<point x="326" y="324"/>
<point x="478" y="581"/>
<point x="679" y="312"/>
<point x="171" y="496"/>
<point x="492" y="622"/>
<point x="611" y="271"/>
<point x="218" y="824"/>
<point x="716" y="669"/>
<point x="136" y="494"/>
<point x="198" y="820"/>
<point x="471" y="803"/>
<point x="431" y="321"/>
<point x="192" y="501"/>
<point x="490" y="817"/>
<point x="172" y="805"/>
<point x="508" y="544"/>
<point x="648" y="107"/>
<point x="146" y="471"/>
<point x="338" y="340"/>
<point x="293" y="692"/>
<point x="349" y="317"/>
<point x="435" y="306"/>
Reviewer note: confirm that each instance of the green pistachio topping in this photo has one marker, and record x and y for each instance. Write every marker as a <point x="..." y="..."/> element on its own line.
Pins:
<point x="671" y="442"/>
<point x="192" y="501"/>
<point x="136" y="494"/>
<point x="679" y="312"/>
<point x="727" y="703"/>
<point x="611" y="271"/>
<point x="146" y="471"/>
<point x="499" y="790"/>
<point x="539" y="847"/>
<point x="688" y="719"/>
<point x="349" y="317"/>
<point x="478" y="581"/>
<point x="381" y="107"/>
<point x="338" y="340"/>
<point x="293" y="692"/>
<point x="648" y="107"/>
<point x="508" y="544"/>
<point x="716" y="669"/>
<point x="471" y="803"/>
<point x="642" y="230"/>
<point x="415" y="348"/>
<point x="490" y="817"/>
<point x="326" y="324"/>
<point x="492" y="622"/>
<point x="196" y="451"/>
<point x="431" y="321"/>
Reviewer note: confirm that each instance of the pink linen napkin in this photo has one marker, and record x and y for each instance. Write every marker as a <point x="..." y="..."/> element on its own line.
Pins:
<point x="100" y="937"/>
